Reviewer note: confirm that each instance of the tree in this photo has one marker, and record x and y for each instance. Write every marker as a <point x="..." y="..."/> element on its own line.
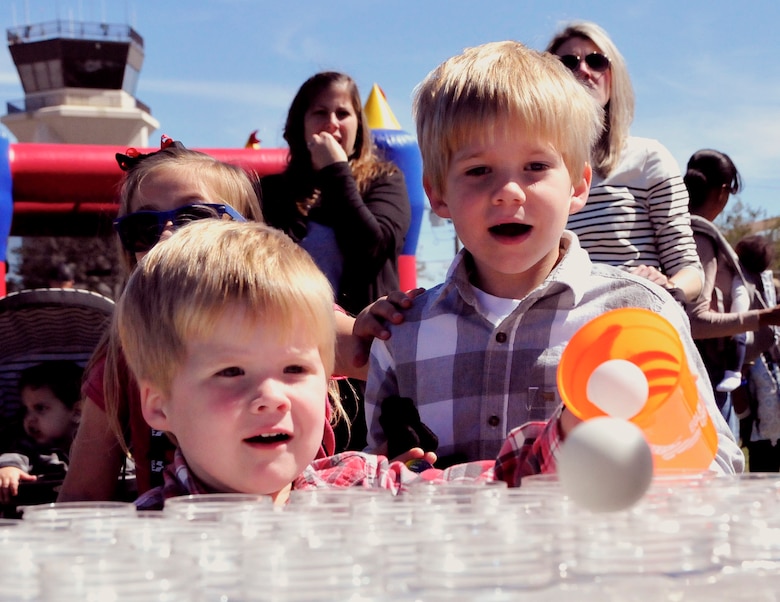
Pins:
<point x="93" y="262"/>
<point x="740" y="220"/>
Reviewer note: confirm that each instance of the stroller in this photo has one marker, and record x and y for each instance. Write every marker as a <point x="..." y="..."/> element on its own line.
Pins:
<point x="38" y="325"/>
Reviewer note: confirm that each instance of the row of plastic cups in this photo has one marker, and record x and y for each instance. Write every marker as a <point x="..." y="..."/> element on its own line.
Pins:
<point x="672" y="531"/>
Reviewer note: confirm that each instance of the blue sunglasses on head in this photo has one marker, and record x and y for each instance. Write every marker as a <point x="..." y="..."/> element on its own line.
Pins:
<point x="141" y="230"/>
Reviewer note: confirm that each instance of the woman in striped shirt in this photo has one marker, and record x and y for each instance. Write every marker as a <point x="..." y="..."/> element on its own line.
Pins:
<point x="637" y="212"/>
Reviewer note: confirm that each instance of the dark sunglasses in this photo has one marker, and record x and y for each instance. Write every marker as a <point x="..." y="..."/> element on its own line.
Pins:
<point x="141" y="230"/>
<point x="595" y="61"/>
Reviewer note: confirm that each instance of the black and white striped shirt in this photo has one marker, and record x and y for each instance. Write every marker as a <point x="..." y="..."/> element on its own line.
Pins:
<point x="639" y="213"/>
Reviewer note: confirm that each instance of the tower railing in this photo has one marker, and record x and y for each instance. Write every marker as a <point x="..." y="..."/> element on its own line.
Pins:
<point x="75" y="97"/>
<point x="72" y="29"/>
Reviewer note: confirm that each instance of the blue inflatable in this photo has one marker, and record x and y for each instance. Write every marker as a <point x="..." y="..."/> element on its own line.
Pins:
<point x="6" y="206"/>
<point x="401" y="148"/>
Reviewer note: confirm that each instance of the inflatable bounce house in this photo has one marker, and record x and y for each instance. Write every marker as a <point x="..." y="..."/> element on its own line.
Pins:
<point x="61" y="178"/>
<point x="401" y="148"/>
<point x="74" y="186"/>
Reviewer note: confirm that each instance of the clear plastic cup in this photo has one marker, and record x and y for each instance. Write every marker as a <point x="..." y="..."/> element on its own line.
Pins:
<point x="293" y="571"/>
<point x="121" y="576"/>
<point x="485" y="561"/>
<point x="215" y="507"/>
<point x="629" y="544"/>
<point x="62" y="515"/>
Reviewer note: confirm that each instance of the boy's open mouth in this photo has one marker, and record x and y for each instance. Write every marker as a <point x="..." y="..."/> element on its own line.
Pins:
<point x="510" y="229"/>
<point x="270" y="438"/>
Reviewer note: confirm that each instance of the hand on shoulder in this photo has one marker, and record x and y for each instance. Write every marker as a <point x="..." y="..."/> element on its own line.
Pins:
<point x="371" y="323"/>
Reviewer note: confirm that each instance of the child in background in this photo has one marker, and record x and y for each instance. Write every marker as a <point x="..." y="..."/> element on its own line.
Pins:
<point x="51" y="396"/>
<point x="505" y="135"/>
<point x="229" y="329"/>
<point x="736" y="349"/>
<point x="760" y="424"/>
<point x="755" y="255"/>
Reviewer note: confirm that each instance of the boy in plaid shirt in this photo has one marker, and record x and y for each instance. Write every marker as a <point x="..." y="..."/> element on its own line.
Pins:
<point x="505" y="134"/>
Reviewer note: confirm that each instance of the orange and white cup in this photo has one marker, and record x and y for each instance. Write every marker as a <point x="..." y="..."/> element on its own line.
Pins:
<point x="675" y="421"/>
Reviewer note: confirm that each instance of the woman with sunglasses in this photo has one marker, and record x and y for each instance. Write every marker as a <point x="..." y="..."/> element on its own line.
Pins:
<point x="637" y="212"/>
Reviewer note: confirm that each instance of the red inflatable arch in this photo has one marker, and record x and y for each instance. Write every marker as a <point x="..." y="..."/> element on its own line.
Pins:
<point x="70" y="189"/>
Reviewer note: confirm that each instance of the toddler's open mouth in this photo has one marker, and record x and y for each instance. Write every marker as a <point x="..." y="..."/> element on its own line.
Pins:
<point x="510" y="230"/>
<point x="269" y="438"/>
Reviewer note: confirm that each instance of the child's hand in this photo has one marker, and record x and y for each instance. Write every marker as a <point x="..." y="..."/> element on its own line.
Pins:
<point x="369" y="323"/>
<point x="416" y="453"/>
<point x="9" y="482"/>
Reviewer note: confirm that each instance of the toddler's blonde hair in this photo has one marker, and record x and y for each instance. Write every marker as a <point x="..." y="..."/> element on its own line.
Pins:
<point x="207" y="268"/>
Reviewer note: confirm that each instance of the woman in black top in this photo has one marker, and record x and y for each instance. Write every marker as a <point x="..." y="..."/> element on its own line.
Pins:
<point x="337" y="198"/>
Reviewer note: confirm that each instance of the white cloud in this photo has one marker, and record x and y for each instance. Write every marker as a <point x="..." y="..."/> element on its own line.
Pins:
<point x="714" y="102"/>
<point x="293" y="43"/>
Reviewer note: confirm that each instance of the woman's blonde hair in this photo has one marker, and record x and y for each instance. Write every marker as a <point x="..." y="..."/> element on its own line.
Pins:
<point x="487" y="88"/>
<point x="200" y="274"/>
<point x="619" y="112"/>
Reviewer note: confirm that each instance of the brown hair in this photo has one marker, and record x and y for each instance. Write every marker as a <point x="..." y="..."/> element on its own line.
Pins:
<point x="755" y="253"/>
<point x="364" y="160"/>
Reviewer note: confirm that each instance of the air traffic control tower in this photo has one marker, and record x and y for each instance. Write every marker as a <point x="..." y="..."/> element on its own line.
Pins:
<point x="79" y="82"/>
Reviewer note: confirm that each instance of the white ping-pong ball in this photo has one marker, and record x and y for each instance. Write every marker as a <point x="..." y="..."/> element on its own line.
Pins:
<point x="605" y="464"/>
<point x="619" y="388"/>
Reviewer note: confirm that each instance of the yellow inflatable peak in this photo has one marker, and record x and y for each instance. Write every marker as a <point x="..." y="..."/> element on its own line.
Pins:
<point x="378" y="112"/>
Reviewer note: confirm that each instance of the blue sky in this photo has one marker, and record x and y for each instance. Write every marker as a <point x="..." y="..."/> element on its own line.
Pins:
<point x="706" y="72"/>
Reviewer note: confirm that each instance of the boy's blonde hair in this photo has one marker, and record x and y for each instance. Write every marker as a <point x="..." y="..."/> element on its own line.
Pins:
<point x="189" y="281"/>
<point x="487" y="88"/>
<point x="620" y="107"/>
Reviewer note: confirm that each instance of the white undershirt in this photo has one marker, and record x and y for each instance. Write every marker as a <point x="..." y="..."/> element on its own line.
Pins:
<point x="495" y="309"/>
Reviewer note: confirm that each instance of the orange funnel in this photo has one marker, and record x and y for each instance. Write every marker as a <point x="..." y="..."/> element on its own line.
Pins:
<point x="674" y="420"/>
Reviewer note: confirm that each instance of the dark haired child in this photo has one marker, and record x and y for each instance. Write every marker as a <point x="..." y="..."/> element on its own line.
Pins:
<point x="51" y="396"/>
